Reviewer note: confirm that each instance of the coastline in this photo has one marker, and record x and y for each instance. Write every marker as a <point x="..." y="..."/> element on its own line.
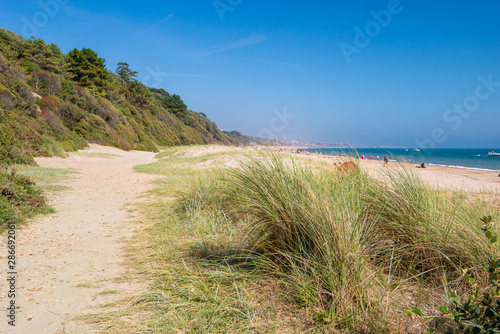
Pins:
<point x="467" y="158"/>
<point x="469" y="180"/>
<point x="458" y="178"/>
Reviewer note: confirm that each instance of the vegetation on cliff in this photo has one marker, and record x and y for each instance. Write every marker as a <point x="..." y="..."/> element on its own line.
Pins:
<point x="51" y="102"/>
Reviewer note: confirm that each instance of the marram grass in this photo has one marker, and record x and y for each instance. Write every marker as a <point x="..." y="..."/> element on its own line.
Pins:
<point x="339" y="237"/>
<point x="426" y="228"/>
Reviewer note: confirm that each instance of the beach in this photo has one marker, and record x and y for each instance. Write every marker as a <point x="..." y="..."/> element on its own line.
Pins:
<point x="448" y="177"/>
<point x="468" y="180"/>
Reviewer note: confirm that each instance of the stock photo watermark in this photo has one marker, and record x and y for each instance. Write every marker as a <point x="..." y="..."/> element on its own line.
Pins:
<point x="223" y="6"/>
<point x="156" y="74"/>
<point x="277" y="124"/>
<point x="373" y="28"/>
<point x="11" y="275"/>
<point x="48" y="10"/>
<point x="455" y="115"/>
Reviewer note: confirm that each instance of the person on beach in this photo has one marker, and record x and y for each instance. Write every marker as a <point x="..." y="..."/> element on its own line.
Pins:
<point x="422" y="165"/>
<point x="386" y="161"/>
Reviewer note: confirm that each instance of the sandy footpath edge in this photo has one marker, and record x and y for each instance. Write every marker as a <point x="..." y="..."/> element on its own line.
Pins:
<point x="78" y="245"/>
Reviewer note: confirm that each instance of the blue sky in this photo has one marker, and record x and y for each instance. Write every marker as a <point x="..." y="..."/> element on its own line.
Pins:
<point x="384" y="73"/>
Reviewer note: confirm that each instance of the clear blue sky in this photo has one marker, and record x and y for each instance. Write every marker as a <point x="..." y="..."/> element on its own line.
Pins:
<point x="342" y="75"/>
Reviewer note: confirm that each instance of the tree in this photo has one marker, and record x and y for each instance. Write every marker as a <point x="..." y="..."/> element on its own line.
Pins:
<point x="48" y="56"/>
<point x="89" y="70"/>
<point x="139" y="94"/>
<point x="175" y="105"/>
<point x="125" y="72"/>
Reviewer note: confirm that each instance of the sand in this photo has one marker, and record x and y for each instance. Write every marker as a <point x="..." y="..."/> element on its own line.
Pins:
<point x="81" y="244"/>
<point x="467" y="180"/>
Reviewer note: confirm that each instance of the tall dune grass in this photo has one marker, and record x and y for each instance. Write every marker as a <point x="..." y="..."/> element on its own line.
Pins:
<point x="338" y="237"/>
<point x="310" y="225"/>
<point x="425" y="228"/>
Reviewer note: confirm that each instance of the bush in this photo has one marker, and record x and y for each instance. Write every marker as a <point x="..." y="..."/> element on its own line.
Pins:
<point x="311" y="226"/>
<point x="71" y="114"/>
<point x="19" y="198"/>
<point x="12" y="148"/>
<point x="48" y="147"/>
<point x="50" y="103"/>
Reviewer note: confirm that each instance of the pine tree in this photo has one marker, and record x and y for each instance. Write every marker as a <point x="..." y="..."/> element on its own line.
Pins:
<point x="48" y="56"/>
<point x="125" y="72"/>
<point x="89" y="70"/>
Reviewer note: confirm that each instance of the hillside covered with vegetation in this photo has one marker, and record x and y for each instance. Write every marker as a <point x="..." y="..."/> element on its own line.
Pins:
<point x="51" y="102"/>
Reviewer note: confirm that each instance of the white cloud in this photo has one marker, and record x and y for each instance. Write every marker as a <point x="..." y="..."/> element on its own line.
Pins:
<point x="251" y="40"/>
<point x="154" y="26"/>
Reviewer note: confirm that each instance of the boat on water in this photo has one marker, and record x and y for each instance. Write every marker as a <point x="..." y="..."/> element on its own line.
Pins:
<point x="493" y="154"/>
<point x="416" y="150"/>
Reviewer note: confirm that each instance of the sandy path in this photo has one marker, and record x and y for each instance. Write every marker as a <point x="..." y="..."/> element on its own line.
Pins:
<point x="80" y="244"/>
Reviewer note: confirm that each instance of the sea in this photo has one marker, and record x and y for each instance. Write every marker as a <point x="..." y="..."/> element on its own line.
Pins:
<point x="469" y="158"/>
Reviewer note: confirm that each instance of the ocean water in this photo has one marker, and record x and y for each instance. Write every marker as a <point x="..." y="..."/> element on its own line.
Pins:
<point x="458" y="158"/>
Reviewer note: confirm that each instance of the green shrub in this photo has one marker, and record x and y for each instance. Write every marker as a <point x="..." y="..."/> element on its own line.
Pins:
<point x="12" y="148"/>
<point x="19" y="198"/>
<point x="48" y="147"/>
